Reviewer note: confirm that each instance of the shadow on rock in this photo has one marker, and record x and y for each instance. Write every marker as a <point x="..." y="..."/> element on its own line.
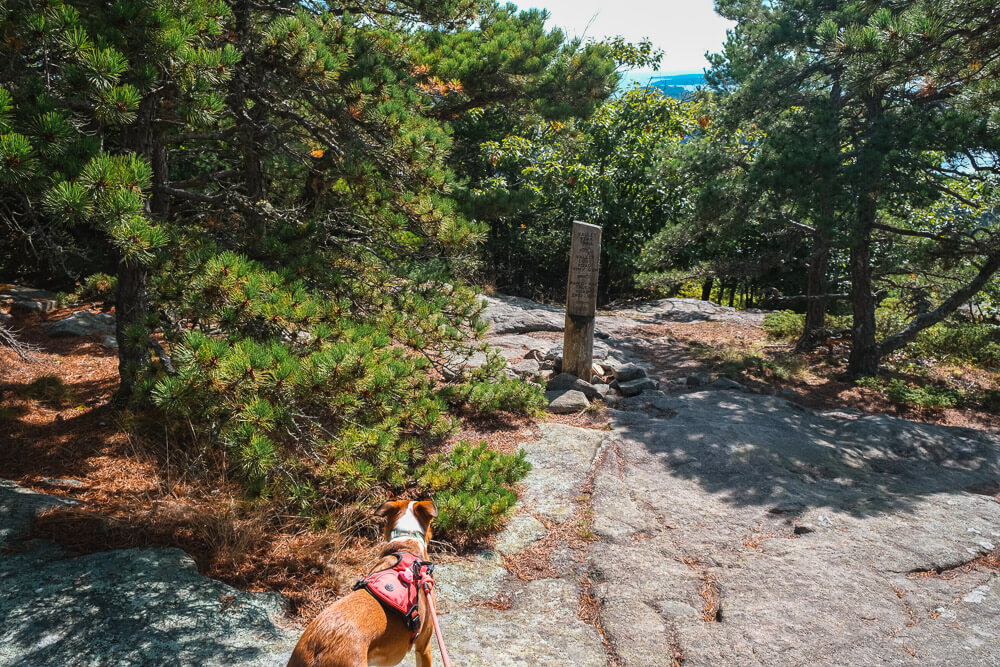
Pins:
<point x="763" y="450"/>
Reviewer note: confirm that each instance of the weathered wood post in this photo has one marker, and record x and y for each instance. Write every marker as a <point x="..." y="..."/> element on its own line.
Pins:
<point x="581" y="300"/>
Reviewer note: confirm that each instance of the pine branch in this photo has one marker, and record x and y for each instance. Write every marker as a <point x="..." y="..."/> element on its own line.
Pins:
<point x="950" y="305"/>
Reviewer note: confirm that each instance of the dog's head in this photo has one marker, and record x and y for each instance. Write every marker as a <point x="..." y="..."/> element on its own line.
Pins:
<point x="408" y="520"/>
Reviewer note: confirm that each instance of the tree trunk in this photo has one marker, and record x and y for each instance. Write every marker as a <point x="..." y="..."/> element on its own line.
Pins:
<point x="130" y="309"/>
<point x="816" y="278"/>
<point x="247" y="119"/>
<point x="816" y="302"/>
<point x="950" y="305"/>
<point x="865" y="353"/>
<point x="706" y="289"/>
<point x="132" y="302"/>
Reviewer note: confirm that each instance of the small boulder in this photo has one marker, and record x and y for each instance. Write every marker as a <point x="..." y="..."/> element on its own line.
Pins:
<point x="34" y="306"/>
<point x="526" y="367"/>
<point x="476" y="360"/>
<point x="637" y="386"/>
<point x="28" y="299"/>
<point x="83" y="323"/>
<point x="698" y="379"/>
<point x="602" y="389"/>
<point x="109" y="342"/>
<point x="569" y="381"/>
<point x="566" y="401"/>
<point x="629" y="372"/>
<point x="726" y="383"/>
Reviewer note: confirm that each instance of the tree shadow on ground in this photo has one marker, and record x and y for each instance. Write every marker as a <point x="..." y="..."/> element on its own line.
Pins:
<point x="750" y="449"/>
<point x="62" y="444"/>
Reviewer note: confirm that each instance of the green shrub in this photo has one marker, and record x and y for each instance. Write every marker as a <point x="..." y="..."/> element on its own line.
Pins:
<point x="783" y="324"/>
<point x="903" y="393"/>
<point x="990" y="399"/>
<point x="64" y="299"/>
<point x="315" y="404"/>
<point x="970" y="342"/>
<point x="890" y="316"/>
<point x="473" y="487"/>
<point x="735" y="363"/>
<point x="98" y="286"/>
<point x="488" y="390"/>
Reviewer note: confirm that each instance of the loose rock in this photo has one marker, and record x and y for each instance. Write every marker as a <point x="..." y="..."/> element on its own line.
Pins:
<point x="698" y="379"/>
<point x="83" y="323"/>
<point x="569" y="381"/>
<point x="526" y="367"/>
<point x="726" y="383"/>
<point x="629" y="372"/>
<point x="566" y="401"/>
<point x="636" y="387"/>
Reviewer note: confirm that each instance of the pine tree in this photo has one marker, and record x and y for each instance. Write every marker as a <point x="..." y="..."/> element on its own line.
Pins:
<point x="269" y="183"/>
<point x="80" y="142"/>
<point x="868" y="110"/>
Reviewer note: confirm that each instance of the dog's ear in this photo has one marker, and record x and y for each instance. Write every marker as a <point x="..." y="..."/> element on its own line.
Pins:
<point x="387" y="508"/>
<point x="426" y="512"/>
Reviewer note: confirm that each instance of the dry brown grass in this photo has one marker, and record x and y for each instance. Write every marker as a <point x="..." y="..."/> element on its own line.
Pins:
<point x="502" y="601"/>
<point x="709" y="591"/>
<point x="575" y="533"/>
<point x="989" y="561"/>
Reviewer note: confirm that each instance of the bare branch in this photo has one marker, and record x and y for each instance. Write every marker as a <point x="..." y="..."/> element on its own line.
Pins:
<point x="23" y="350"/>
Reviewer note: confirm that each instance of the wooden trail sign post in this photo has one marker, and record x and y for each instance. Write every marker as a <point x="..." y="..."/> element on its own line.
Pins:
<point x="581" y="300"/>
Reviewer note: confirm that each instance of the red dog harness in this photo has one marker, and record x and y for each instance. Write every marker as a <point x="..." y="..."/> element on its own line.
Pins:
<point x="397" y="586"/>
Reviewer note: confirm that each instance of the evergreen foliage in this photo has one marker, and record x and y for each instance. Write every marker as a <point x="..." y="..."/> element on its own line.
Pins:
<point x="267" y="187"/>
<point x="854" y="118"/>
<point x="602" y="170"/>
<point x="473" y="486"/>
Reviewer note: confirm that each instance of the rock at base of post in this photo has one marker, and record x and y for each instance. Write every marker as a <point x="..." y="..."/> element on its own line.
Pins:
<point x="566" y="401"/>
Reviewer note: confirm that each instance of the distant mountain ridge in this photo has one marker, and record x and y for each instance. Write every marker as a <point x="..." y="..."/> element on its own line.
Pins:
<point x="694" y="79"/>
<point x="672" y="85"/>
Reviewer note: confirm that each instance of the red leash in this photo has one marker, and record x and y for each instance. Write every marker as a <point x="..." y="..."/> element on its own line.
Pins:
<point x="429" y="588"/>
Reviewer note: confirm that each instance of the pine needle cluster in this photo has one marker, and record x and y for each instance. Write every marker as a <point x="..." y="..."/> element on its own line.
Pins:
<point x="473" y="486"/>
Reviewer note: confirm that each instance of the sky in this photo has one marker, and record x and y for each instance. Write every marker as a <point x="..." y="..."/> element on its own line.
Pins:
<point x="684" y="29"/>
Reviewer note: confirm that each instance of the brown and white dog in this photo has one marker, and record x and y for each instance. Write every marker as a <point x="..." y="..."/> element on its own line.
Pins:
<point x="357" y="630"/>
